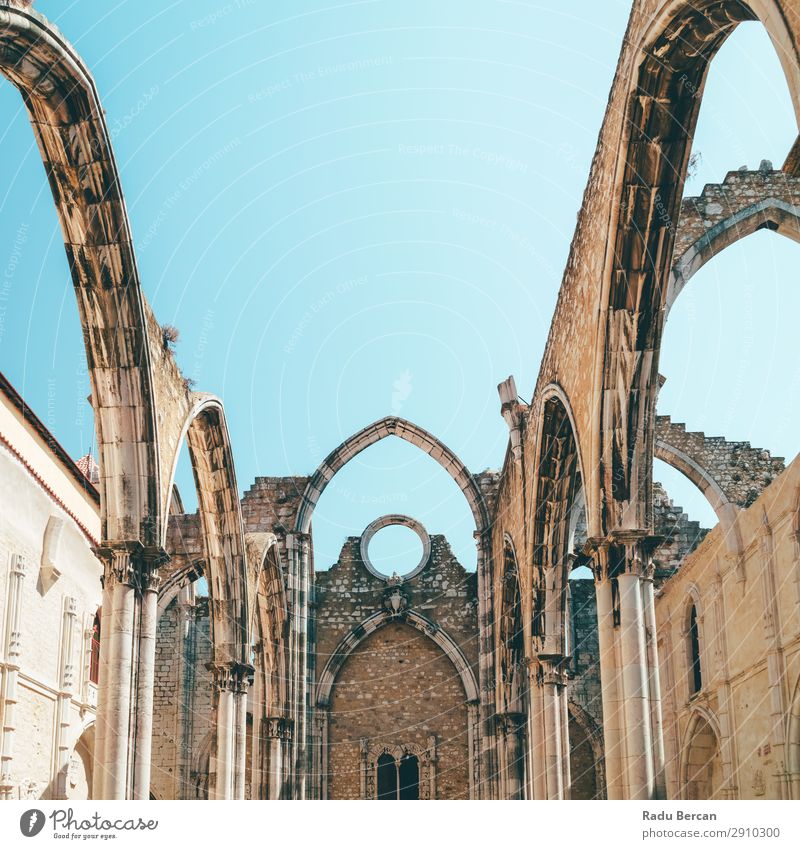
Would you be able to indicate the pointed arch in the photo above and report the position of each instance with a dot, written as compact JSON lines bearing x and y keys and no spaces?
{"x":69,"y":125}
{"x":661,"y":102}
{"x":511,"y":642}
{"x":587,"y":760}
{"x":557,"y":483}
{"x":773,"y":214}
{"x":378,"y":620}
{"x":701,"y":762}
{"x":206,"y":432}
{"x":693,"y":636}
{"x":411,"y":433}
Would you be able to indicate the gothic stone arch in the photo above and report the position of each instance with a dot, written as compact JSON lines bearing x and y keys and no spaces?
{"x":378,"y":620}
{"x":701,"y":764}
{"x":70,"y":128}
{"x":661,"y":108}
{"x":415,"y":435}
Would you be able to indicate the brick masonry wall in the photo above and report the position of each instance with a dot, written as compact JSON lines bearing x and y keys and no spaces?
{"x":397,"y":687}
{"x":183,"y":713}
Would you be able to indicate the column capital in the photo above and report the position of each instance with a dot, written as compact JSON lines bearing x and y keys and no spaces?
{"x":131,"y":563}
{"x":231,"y":677}
{"x":278,"y":727}
{"x":19,"y":564}
{"x":623,"y":551}
{"x":553,"y":671}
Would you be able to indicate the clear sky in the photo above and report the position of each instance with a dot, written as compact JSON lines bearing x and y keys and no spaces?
{"x":357,"y":209}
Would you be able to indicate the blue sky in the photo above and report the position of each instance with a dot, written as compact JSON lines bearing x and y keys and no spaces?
{"x":359,"y":209}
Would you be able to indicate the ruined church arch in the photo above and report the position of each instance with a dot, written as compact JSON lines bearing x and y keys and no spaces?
{"x":773,"y":214}
{"x":411,"y":433}
{"x":70,"y":128}
{"x":206,"y":433}
{"x":662,"y":105}
{"x":556,"y":494}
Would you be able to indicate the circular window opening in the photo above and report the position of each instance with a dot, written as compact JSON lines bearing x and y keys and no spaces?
{"x":395,"y":549}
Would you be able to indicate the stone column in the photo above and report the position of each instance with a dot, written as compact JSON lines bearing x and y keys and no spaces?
{"x":432,"y":759}
{"x":67,"y":682}
{"x":120,"y":578}
{"x":12,"y":650}
{"x":323,"y":719}
{"x":537,"y":757}
{"x":226,"y":732}
{"x":473,"y":733}
{"x":609,"y":687}
{"x":257,"y":709}
{"x":633,"y":724}
{"x":127,"y":666}
{"x":187,"y":639}
{"x":776,"y":664}
{"x":631,"y":563}
{"x":98,"y":771}
{"x":364,"y":766}
{"x":146,"y":672}
{"x":654,"y":683}
{"x":566,"y":770}
{"x":515,"y":755}
{"x":725,"y":713}
{"x":278,"y":734}
{"x":553,"y":681}
{"x":299,"y":590}
{"x":635,"y":688}
{"x":240,"y":718}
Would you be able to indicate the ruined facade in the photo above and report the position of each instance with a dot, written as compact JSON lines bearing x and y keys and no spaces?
{"x":672,"y":672}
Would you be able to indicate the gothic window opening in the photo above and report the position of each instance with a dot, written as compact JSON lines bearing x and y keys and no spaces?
{"x":94,"y":657}
{"x":398,"y":779}
{"x":387,"y":777}
{"x":695,"y":674}
{"x":408,"y":776}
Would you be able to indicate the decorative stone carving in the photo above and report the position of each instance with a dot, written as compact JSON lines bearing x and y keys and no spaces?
{"x":395,"y":600}
{"x":278,"y":728}
{"x":49,"y":572}
{"x":426,"y":758}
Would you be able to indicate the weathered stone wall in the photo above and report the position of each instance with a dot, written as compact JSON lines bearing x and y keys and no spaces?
{"x":183,"y":714}
{"x":740,"y":471}
{"x":37,"y":533}
{"x":748,"y":611}
{"x":397,"y":686}
{"x":681,"y":534}
{"x":584,"y":684}
{"x":733,"y":201}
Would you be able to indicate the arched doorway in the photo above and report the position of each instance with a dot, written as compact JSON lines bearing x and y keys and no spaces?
{"x":587,"y":778}
{"x":80,"y":767}
{"x":702,"y":764}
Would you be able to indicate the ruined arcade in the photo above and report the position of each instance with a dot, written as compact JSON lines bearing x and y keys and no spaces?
{"x":151,"y":652}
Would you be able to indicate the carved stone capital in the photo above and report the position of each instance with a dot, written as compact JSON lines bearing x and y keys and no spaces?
{"x":231,"y":677}
{"x":278,"y":728}
{"x":130,"y":563}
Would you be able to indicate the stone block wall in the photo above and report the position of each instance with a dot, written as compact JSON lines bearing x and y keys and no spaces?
{"x":397,"y":687}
